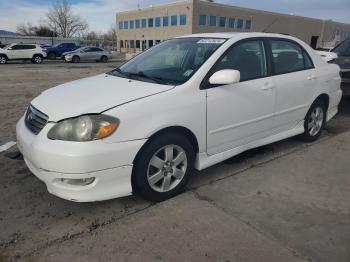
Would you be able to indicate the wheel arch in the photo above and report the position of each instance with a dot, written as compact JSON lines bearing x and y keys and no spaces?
{"x":37,"y":54}
{"x":174,"y":130}
{"x":324,"y":98}
{"x":4,"y":56}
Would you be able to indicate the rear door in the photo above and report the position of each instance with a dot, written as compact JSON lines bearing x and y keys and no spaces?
{"x":240,"y":113}
{"x":296,"y":80}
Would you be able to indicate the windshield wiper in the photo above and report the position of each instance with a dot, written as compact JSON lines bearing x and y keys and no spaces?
{"x":158,"y":80}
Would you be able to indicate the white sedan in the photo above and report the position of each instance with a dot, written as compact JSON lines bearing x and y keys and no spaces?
{"x":189,"y":102}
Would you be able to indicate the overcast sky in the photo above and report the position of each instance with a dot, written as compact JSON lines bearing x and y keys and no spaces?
{"x":100,"y":14}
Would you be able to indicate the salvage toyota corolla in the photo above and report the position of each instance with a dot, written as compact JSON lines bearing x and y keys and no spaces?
{"x":189,"y":102}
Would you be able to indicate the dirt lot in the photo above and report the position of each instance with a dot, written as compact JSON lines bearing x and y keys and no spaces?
{"x":284,"y":202}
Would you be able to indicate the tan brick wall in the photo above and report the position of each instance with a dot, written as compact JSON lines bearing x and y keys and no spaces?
{"x":262,"y":21}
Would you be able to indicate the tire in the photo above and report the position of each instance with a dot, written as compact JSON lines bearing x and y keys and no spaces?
{"x":314,"y":121}
{"x":104,"y":59}
{"x":37,"y":59}
{"x":158,"y":176}
{"x":75,"y":59}
{"x":3,"y":59}
{"x":51,"y":56}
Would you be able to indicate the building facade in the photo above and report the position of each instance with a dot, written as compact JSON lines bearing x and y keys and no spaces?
{"x":144,"y":27}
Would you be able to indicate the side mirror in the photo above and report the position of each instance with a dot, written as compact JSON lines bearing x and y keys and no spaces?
{"x":225,"y":77}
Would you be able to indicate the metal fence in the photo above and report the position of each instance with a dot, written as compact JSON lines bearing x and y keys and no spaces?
{"x":9,"y":39}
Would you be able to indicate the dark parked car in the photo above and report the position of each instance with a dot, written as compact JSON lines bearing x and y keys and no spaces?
{"x":58,"y":50}
{"x":343,"y":60}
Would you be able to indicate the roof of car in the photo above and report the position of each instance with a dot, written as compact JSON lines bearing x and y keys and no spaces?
{"x":228,"y":35}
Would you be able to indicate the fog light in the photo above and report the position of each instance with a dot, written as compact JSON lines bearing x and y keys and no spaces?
{"x":78,"y":182}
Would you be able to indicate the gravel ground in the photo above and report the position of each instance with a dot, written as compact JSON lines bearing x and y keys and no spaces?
{"x":284,"y":202}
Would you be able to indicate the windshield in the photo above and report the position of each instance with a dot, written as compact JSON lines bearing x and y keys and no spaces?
{"x":172,"y":62}
{"x":343,"y":49}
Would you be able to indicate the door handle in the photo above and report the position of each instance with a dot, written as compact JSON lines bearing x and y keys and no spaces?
{"x":311,"y":77}
{"x":268,"y":87}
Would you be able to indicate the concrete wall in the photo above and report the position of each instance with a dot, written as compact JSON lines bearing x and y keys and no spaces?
{"x":6,"y":39}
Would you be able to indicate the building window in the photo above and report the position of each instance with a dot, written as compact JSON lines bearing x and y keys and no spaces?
{"x":138,"y":44}
{"x":132,"y":44}
{"x":240,"y":24}
{"x":174,"y":20}
{"x":150,"y":22}
{"x":126,"y":24}
{"x":248,"y":24}
{"x":231,"y":22}
{"x":212,"y":20}
{"x":183,"y":19}
{"x":144,"y":23}
{"x":222,"y":21}
{"x":165,"y":21}
{"x":120,"y":25}
{"x":157,"y":21}
{"x":202,"y":20}
{"x":137,"y":23}
{"x":150,"y":43}
{"x":121,"y":44}
{"x":131,"y":24}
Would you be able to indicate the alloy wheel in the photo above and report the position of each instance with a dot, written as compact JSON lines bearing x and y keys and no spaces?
{"x":316,"y":121}
{"x":167,"y":168}
{"x":2,"y":60}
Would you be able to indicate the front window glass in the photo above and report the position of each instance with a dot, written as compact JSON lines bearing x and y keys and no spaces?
{"x":343,"y":49}
{"x":172,"y":62}
{"x":247,"y":57}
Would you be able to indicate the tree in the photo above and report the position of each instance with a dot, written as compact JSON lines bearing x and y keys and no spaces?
{"x":30,"y":30}
{"x":62,"y":20}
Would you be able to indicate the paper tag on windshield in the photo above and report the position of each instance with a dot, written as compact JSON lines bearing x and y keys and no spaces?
{"x":211,"y":41}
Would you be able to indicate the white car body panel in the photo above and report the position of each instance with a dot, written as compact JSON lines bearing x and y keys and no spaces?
{"x":225,"y":120}
{"x":111,"y":91}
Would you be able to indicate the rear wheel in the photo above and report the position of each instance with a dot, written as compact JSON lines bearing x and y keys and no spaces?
{"x":314,"y":121}
{"x":104,"y":59}
{"x":163,"y":167}
{"x":3,"y":60}
{"x":76,"y":59}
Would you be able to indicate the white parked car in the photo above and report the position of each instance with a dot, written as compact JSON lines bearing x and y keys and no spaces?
{"x":30,"y":52}
{"x":189,"y":102}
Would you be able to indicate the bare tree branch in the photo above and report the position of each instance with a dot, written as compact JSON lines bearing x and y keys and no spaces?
{"x":63,"y":21}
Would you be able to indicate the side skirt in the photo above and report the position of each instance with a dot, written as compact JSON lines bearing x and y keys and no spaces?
{"x":204,"y":160}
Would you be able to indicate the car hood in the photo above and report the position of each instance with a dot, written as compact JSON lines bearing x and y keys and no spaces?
{"x":93,"y":95}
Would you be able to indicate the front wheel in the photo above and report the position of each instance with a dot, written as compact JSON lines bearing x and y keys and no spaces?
{"x":104,"y":59}
{"x":163,"y":167}
{"x":37,"y":59}
{"x":75,"y":59}
{"x":51,"y":56}
{"x":314,"y":122}
{"x":3,"y":60}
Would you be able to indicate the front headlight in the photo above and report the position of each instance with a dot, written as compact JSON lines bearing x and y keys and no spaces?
{"x":84,"y":128}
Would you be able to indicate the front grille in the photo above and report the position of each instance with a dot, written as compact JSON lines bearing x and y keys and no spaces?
{"x":35,"y":120}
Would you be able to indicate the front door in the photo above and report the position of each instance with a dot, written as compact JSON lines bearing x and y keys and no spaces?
{"x":240,"y":113}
